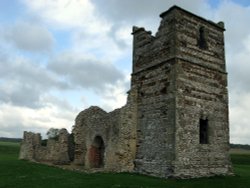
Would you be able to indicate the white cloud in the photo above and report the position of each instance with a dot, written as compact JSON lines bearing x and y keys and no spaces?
{"x":68,"y":14}
{"x":14,"y":120}
{"x":115,"y":96}
{"x":85,"y":72}
{"x":30,"y":37}
{"x":23,"y":82}
{"x":130,"y":10}
{"x":239,"y":67}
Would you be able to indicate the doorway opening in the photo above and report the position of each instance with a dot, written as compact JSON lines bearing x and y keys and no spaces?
{"x":96,"y":153}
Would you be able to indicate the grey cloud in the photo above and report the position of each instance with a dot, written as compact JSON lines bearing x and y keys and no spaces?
{"x":239,"y":77}
{"x":20,"y":95}
{"x":12,"y":124}
{"x":16,"y":129}
{"x":61,"y":104}
{"x":238,"y":67}
{"x":30,"y":37}
{"x":35,"y":74}
{"x":131,"y":10}
{"x":120,"y":42}
{"x":24,"y":83}
{"x":239,"y":117}
{"x":85,"y":73}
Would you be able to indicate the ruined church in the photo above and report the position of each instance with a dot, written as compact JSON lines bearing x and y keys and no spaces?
{"x":175,"y":121}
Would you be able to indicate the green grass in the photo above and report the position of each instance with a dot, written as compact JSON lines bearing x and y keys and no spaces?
{"x":240,"y":159}
{"x":15,"y":173}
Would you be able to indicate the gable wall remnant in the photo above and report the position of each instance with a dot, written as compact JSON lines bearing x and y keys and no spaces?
{"x":117,"y":131}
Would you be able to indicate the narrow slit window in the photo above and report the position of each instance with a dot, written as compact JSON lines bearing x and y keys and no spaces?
{"x":203,"y":131}
{"x":202,"y":42}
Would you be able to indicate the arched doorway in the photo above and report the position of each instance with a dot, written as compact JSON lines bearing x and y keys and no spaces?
{"x":96,"y":153}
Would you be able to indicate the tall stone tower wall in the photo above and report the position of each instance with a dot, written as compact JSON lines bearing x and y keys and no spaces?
{"x":201,"y":95}
{"x":182,"y":97}
{"x":154,"y":79}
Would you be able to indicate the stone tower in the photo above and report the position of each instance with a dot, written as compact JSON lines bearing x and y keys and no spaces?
{"x":182,"y":101}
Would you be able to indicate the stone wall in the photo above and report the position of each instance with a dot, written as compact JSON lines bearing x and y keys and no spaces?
{"x":117,"y":131}
{"x":154,"y":76}
{"x":56,"y":150}
{"x":201,"y":84}
{"x":28,"y":145}
{"x":155,"y":124}
{"x":181,"y":80}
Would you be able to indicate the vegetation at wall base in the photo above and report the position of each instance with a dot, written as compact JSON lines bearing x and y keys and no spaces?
{"x":16,"y":173}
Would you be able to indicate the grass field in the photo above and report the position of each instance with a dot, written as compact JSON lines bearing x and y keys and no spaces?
{"x":15,"y":173}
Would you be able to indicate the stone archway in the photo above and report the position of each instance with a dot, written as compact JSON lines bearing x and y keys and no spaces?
{"x":96,"y":153}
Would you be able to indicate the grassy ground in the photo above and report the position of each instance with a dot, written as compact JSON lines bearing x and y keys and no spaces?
{"x":16,"y":174}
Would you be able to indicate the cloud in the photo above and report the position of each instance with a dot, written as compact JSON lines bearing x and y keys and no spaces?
{"x":29,"y":37}
{"x":23,"y":83}
{"x":239,"y":68}
{"x":115,"y":96}
{"x":239,"y":116}
{"x":67,"y":14}
{"x":85,"y":73}
{"x":27,"y":84}
{"x":90,"y":32}
{"x":15,"y":120}
{"x":130,"y":10}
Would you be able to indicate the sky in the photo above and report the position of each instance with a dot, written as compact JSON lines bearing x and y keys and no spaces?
{"x":59,"y":57}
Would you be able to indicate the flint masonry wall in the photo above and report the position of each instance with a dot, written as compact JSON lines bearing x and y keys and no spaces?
{"x":28,"y":145}
{"x":116,"y":129}
{"x":201,"y":93}
{"x":181,"y":80}
{"x":56,"y":151}
{"x":153,"y":77}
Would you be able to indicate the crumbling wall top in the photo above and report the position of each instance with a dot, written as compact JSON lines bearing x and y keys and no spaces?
{"x":219,"y":25}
